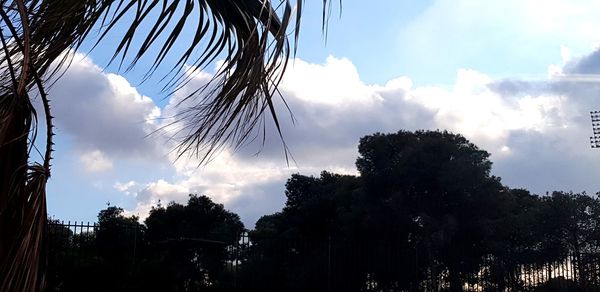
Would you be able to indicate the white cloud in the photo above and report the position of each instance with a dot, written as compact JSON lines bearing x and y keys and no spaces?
{"x":103,"y":111}
{"x":157,"y":192}
{"x":334,"y":108}
{"x":537,"y":131}
{"x":125,"y":187}
{"x":95,"y":161}
{"x":336,"y":83}
{"x":476,"y":111}
{"x":225,"y":179}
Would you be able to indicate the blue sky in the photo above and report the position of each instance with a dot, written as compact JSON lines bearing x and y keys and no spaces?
{"x":506,"y":74}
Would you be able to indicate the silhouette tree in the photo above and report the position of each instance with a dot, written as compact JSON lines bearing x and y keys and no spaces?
{"x":250,"y":35}
{"x":445,"y":182}
{"x":291,"y":250}
{"x":515,"y":238}
{"x":188,"y":246}
{"x":425,"y":214}
{"x":569,"y":223}
{"x":183,"y":248}
{"x":118,"y":239}
{"x":101,"y":258}
{"x":60,"y":245}
{"x":424,"y":199}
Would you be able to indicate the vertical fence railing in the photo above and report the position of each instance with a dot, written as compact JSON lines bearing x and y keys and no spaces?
{"x":326,"y":264}
{"x":83,"y":255}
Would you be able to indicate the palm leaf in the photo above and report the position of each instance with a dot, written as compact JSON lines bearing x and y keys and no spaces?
{"x":251,"y":35}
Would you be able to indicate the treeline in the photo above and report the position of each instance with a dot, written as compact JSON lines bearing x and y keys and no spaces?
{"x":424,"y":214}
{"x":178,"y":248}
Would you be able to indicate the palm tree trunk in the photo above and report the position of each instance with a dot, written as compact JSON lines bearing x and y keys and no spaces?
{"x":19,"y":211}
{"x":13,"y":167}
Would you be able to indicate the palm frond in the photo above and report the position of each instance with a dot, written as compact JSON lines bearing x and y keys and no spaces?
{"x":250,"y":36}
{"x":31,"y":39}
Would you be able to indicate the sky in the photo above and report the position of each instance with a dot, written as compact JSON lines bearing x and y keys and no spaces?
{"x":515,"y":77}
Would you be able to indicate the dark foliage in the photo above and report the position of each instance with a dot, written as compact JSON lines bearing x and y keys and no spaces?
{"x":188,"y":246}
{"x":181,"y":248}
{"x":425,"y":214}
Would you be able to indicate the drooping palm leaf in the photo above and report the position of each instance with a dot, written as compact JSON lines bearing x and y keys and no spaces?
{"x":249,"y":35}
{"x":36,"y":34}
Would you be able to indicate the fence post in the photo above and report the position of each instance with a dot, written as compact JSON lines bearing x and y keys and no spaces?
{"x":135,"y":232}
{"x":415,"y":284}
{"x":329,"y":263}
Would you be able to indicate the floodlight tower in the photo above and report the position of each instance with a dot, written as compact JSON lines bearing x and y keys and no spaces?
{"x":595,"y":140}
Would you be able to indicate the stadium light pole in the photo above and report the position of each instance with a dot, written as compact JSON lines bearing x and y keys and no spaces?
{"x":595,"y":140}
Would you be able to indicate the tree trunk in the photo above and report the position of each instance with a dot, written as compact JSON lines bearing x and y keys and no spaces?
{"x":22,"y":209}
{"x":580,"y":268}
{"x":13,"y":171}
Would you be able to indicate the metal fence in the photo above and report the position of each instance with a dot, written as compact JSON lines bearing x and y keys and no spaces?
{"x":90,"y":257}
{"x":85,"y":257}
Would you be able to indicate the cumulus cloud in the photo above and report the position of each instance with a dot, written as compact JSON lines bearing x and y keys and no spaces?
{"x":536,"y":130}
{"x":558,"y":156}
{"x":103,"y":111}
{"x":327,"y":132}
{"x":587,"y":65}
{"x":226,"y":180}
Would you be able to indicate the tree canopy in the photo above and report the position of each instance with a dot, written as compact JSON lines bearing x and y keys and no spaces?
{"x":425,"y":214}
{"x":424,"y":207}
